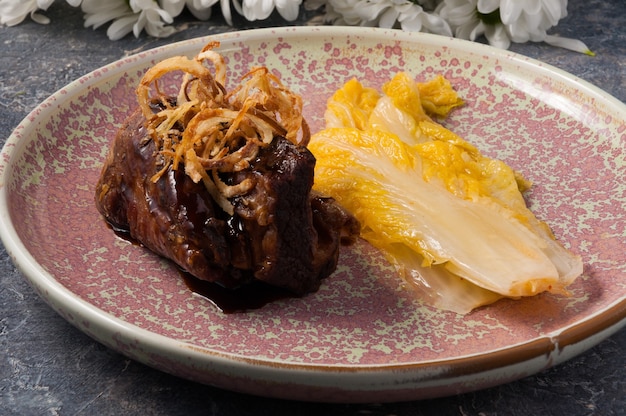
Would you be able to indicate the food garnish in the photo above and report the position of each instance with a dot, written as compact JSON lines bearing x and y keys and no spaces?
{"x":190,"y":129}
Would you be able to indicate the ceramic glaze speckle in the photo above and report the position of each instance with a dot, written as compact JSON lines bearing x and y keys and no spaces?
{"x":565,"y":136}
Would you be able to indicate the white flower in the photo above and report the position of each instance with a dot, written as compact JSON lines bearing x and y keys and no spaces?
{"x":468,"y":23}
{"x":152,"y":18}
{"x":262,"y":9}
{"x":530,"y":19}
{"x":500,"y":21}
{"x":13,"y":12}
{"x":201,"y":9}
{"x":128,"y":16}
{"x":506,"y":21}
{"x":338,"y":12}
{"x":99,"y":12}
{"x":405,"y":14}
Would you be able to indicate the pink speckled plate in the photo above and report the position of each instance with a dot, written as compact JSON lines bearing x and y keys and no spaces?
{"x":360,"y":338}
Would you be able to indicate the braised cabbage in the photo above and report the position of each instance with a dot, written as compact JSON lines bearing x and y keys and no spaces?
{"x":452,"y":221}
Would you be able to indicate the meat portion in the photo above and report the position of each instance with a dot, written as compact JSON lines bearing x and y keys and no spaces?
{"x":280,"y":233}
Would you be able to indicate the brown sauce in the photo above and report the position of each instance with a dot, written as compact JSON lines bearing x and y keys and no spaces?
{"x":252,"y":296}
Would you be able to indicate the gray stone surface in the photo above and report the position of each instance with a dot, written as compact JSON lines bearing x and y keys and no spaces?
{"x":47,"y":367}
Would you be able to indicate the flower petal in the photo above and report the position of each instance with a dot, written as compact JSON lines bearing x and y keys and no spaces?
{"x":568,"y":43}
{"x":497,"y":36}
{"x":39,"y":18}
{"x":201,"y":9}
{"x":13,"y":13}
{"x":173,"y":7}
{"x":388,"y":18}
{"x":487,"y":6}
{"x":121,"y":27}
{"x":225,"y":6}
{"x":288,"y":9}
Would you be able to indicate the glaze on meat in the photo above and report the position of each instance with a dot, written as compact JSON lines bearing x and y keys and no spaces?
{"x":280,"y":233}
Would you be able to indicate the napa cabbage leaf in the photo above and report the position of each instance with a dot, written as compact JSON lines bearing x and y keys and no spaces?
{"x":453,"y":221}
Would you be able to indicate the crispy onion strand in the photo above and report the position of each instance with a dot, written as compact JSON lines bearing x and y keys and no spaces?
{"x":211,"y":131}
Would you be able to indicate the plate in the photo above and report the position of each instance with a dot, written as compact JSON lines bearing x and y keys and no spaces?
{"x":360,"y":338}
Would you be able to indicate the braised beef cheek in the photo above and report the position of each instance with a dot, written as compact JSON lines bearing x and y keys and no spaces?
{"x":281,"y":233}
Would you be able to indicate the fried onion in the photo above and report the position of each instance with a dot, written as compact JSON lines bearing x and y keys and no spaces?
{"x":211,"y":131}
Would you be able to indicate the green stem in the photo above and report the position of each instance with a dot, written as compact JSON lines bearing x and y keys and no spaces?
{"x":492,"y":18}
